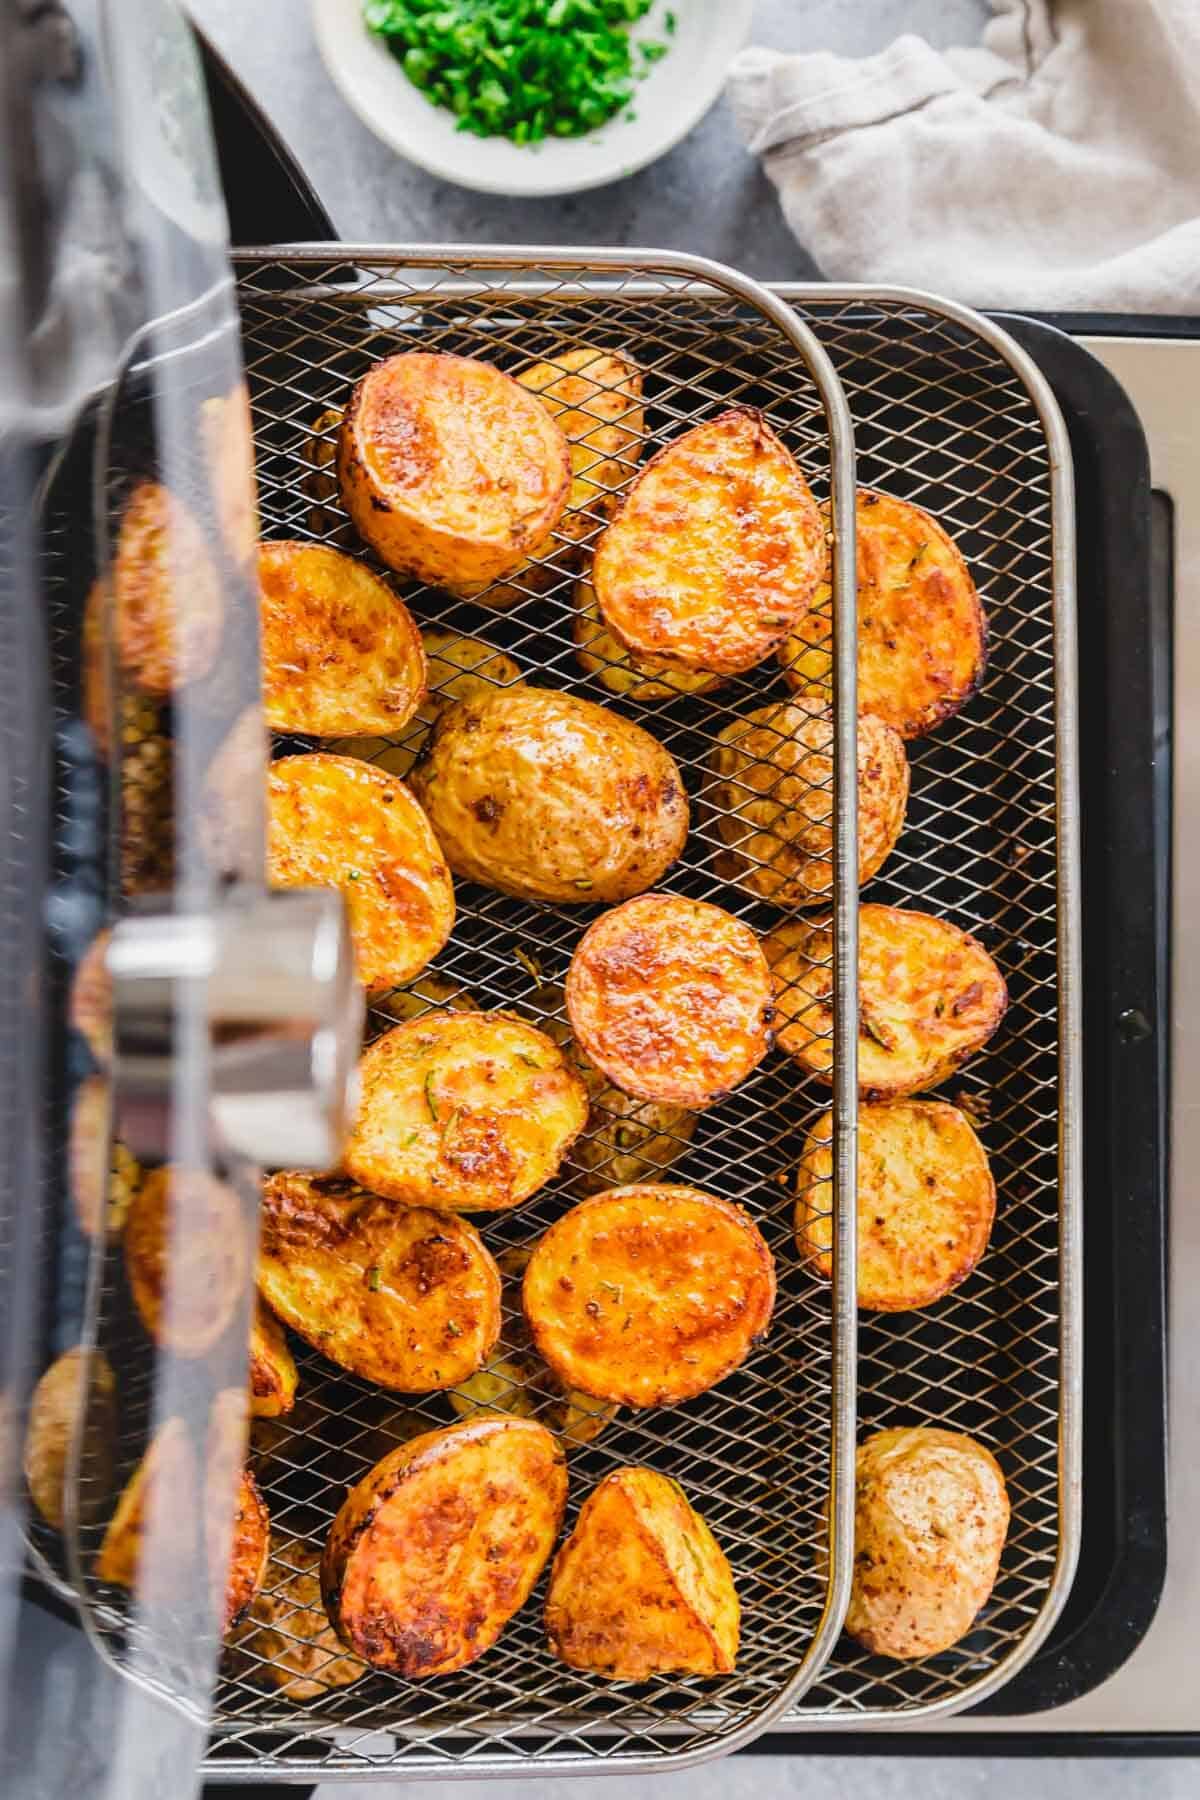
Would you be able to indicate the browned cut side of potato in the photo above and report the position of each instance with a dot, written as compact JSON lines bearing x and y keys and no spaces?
{"x":54,"y":1412}
{"x":161,"y":1490}
{"x":926,"y":1202}
{"x":235,"y":1551}
{"x":436,"y":1549}
{"x":463,"y":1110}
{"x":336,"y":822}
{"x":174,"y":1208}
{"x":716,"y":552}
{"x":550,"y":797}
{"x":286,"y":1639}
{"x":671,"y":999}
{"x":922,"y":634}
{"x":341,"y":652}
{"x":273,"y":1376}
{"x":929,"y":997}
{"x":91,"y":998}
{"x":931,"y":1517}
{"x":451,"y":471}
{"x":642,"y":679}
{"x":169,"y":606}
{"x":249,"y":1549}
{"x":641,"y":1587}
{"x":404,"y":1296}
{"x":649,"y":1295}
{"x":773,"y":791}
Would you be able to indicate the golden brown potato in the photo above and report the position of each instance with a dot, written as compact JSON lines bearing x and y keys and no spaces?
{"x":171,"y":1208}
{"x":249,"y":1549}
{"x":326,"y":518}
{"x":167,"y":1477}
{"x":104,"y":1172}
{"x":404,"y":1296}
{"x":336,"y":822}
{"x":58,"y":1399}
{"x":926,"y":1201}
{"x":169,"y":602}
{"x":341,"y":652}
{"x":273,"y":1374}
{"x":286,"y":1639}
{"x":648,"y":1295}
{"x":626,"y":1139}
{"x":716,"y":552}
{"x":931,"y":1517}
{"x":463,"y":1110}
{"x":642,"y":679}
{"x":929,"y":997}
{"x":641,"y":1587}
{"x":91,"y":998}
{"x":227,"y":434}
{"x":518,"y":1383}
{"x":457,"y":668}
{"x":232,"y":821}
{"x":451,"y":471}
{"x":774,"y":794}
{"x":671,"y":999}
{"x":436,"y":1549}
{"x":922,"y":635}
{"x":550,"y":797}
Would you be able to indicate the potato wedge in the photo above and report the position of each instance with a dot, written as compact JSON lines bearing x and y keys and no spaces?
{"x":773,"y":794}
{"x":450,"y":470}
{"x":227,"y":436}
{"x":341,"y":652}
{"x":671,"y":999}
{"x":641,"y":1587}
{"x":930,"y":996}
{"x":169,"y":605}
{"x":436,"y":1549}
{"x":287,"y":1641}
{"x":471,"y":1111}
{"x":715,"y":554}
{"x":550,"y":797}
{"x":926,"y":1202}
{"x":236,"y":1554}
{"x":273,"y":1376}
{"x":643,"y":679}
{"x":922,"y":633}
{"x":404,"y":1296}
{"x":336,"y":822}
{"x":649,"y":1295}
{"x":164,"y":1484}
{"x":91,"y":999}
{"x":104,"y":1172}
{"x":173,"y":1207}
{"x":58,"y":1399}
{"x":931,"y":1517}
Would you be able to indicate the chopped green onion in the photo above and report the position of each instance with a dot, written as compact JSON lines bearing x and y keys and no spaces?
{"x":430,"y":1102}
{"x":373,"y":1278}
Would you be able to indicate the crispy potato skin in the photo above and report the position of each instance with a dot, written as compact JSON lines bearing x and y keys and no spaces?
{"x":341,"y":652}
{"x":470,"y":1111}
{"x":91,"y":999}
{"x":922,"y":633}
{"x":926,"y":1202}
{"x":436,"y":1549}
{"x":249,"y":1549}
{"x":195,"y":1209}
{"x":273,"y":1375}
{"x":169,"y":1468}
{"x":286,"y":1633}
{"x":550,"y":797}
{"x":648,"y":1295}
{"x":403,"y":1296}
{"x":58,"y":1400}
{"x":642,"y":679}
{"x":931,"y":1517}
{"x":716,"y":553}
{"x":641,"y":1587}
{"x":773,"y":790}
{"x":930,"y":996}
{"x":336,"y":822}
{"x":451,"y":471}
{"x":671,"y":999}
{"x":170,"y":607}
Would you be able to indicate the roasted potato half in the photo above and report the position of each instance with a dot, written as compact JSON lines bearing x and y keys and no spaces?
{"x":341,"y":652}
{"x":249,"y":1549}
{"x":922,"y":635}
{"x":550,"y":797}
{"x":404,"y":1296}
{"x":286,"y":1639}
{"x":641,"y":1587}
{"x":104,"y":1172}
{"x":926,"y":1202}
{"x":642,"y":679}
{"x":336,"y":822}
{"x":273,"y":1376}
{"x":169,"y":604}
{"x":227,"y":436}
{"x":471,"y":1111}
{"x":450,"y":470}
{"x":715,"y":554}
{"x":174,"y":1207}
{"x":456,"y":668}
{"x":58,"y":1400}
{"x":90,"y":1008}
{"x":167,"y":1480}
{"x":773,"y":796}
{"x":671,"y":999}
{"x":929,"y":997}
{"x":436,"y":1549}
{"x":931,"y":1516}
{"x":648,"y":1295}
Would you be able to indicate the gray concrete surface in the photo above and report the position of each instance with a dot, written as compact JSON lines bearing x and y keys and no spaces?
{"x":707,"y":197}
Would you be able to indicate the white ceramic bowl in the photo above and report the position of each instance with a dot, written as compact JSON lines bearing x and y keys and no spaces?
{"x":674,"y":96}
